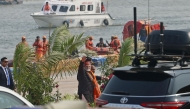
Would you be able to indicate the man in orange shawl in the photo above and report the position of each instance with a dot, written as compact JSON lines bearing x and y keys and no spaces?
{"x":88,"y":86}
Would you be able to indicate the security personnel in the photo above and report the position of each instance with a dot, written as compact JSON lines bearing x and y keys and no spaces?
{"x":89,"y":43}
{"x":45,"y":45}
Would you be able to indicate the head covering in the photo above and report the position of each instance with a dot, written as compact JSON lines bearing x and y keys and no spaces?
{"x":115,"y":37}
{"x":112,"y":36}
{"x":91,"y":37}
{"x":38,"y":37}
{"x":101,"y":39}
{"x":44,"y":37}
{"x":87,"y":62}
{"x":23,"y":37}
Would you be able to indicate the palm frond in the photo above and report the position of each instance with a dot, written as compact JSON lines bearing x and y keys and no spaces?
{"x":124,"y":51}
{"x":57,"y":36}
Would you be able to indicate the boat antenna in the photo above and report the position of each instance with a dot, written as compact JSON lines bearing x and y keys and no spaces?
{"x":148,"y":45}
{"x":135,"y":30}
{"x":161,"y":39}
{"x":49,"y":38}
{"x":107,"y":6}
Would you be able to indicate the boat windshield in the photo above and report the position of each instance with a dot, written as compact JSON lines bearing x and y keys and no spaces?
{"x":63,"y":9}
{"x":54,"y":7}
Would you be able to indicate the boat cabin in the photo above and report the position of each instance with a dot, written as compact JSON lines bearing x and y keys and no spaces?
{"x":74,"y":6}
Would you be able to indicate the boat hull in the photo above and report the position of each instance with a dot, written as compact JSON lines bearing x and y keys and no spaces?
{"x":88,"y":20}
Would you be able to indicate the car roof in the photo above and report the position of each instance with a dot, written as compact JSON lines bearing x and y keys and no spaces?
{"x":164,"y":67}
{"x":4,"y":89}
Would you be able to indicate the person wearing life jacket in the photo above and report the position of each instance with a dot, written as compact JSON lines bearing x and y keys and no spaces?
{"x":47,"y":8}
{"x":45,"y":45}
{"x":112,"y":44}
{"x":38,"y":44}
{"x":102,"y":7}
{"x":89,"y":43}
{"x":117,"y":42}
{"x":23,"y":42}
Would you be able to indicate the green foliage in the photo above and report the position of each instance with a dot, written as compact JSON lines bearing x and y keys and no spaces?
{"x":93,"y":105}
{"x":70,"y":97}
{"x":62,"y":41}
{"x":124,"y":51}
{"x":35,"y":79}
{"x":31,"y":76}
{"x":88,"y":53}
{"x":106,"y":69}
{"x":58,"y":36}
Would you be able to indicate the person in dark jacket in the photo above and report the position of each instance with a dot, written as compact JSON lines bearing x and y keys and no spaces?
{"x":6,"y":79}
{"x":85,"y":86}
{"x":101,"y":43}
{"x":143,"y":33}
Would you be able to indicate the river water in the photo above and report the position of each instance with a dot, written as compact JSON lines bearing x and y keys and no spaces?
{"x":15,"y":20}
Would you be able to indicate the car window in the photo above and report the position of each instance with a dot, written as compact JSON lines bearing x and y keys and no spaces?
{"x":184,"y":89}
{"x":139,"y":84}
{"x":7,"y":100}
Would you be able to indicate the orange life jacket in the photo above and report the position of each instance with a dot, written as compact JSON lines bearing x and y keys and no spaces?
{"x":39,"y":45}
{"x":112,"y":45}
{"x":89,"y":45}
{"x":47,"y":8}
{"x":45,"y":45}
{"x":118,"y":43}
{"x":102,"y":8}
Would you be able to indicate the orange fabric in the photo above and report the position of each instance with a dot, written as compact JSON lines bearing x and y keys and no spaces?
{"x":112,"y":45}
{"x":47,"y":8}
{"x":45,"y":47}
{"x":89,"y":44}
{"x":103,"y":8}
{"x":148,"y":28}
{"x":39,"y":49}
{"x":97,"y":91}
{"x":39,"y":54}
{"x":118,"y":43}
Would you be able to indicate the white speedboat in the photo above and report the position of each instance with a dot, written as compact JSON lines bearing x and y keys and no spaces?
{"x":73,"y":13}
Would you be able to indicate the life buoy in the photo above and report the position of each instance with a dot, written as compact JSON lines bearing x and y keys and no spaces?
{"x":81,"y":23}
{"x":66,"y":23}
{"x":106,"y":22}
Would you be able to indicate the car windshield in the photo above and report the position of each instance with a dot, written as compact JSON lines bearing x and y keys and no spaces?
{"x":138,"y":84}
{"x":8,"y":100}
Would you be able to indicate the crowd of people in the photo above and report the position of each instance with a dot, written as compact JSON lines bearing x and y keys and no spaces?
{"x":87,"y":80}
{"x":115,"y":43}
{"x":41,"y":46}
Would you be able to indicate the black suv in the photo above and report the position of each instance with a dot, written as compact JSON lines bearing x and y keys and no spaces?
{"x":162,"y":83}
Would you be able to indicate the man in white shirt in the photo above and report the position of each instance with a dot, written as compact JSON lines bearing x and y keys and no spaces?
{"x":6,"y":79}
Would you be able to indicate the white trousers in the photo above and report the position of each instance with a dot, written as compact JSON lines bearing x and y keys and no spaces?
{"x":46,"y":12}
